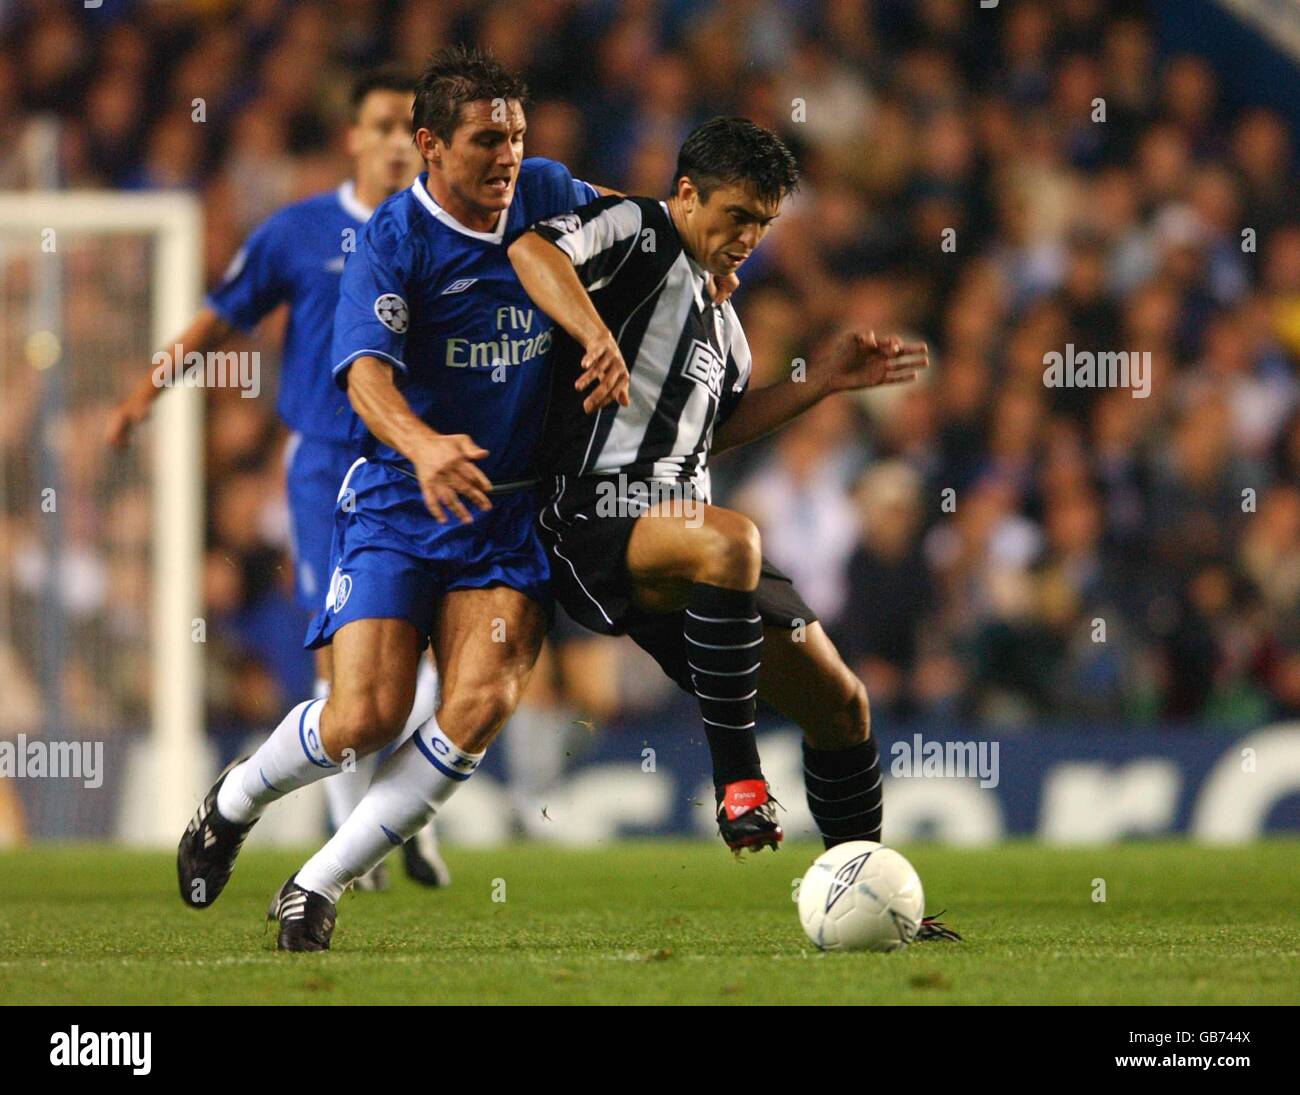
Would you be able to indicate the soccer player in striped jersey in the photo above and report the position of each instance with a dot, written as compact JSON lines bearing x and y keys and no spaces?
{"x":636,"y":546}
{"x":295,"y":258}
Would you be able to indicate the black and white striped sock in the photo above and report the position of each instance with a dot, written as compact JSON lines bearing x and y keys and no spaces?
{"x":724,"y":648}
{"x":844,"y":791}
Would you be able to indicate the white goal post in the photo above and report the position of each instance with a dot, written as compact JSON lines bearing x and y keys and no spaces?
{"x":173,"y":221}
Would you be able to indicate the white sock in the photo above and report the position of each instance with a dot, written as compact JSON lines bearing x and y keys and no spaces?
{"x":290,"y":758}
{"x":407,"y":791}
{"x":426,"y":699}
{"x":536,"y":740}
{"x":345,"y":790}
{"x":342,"y":794}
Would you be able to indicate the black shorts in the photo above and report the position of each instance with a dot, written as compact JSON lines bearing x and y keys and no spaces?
{"x":564,"y":629}
{"x":589,"y":577}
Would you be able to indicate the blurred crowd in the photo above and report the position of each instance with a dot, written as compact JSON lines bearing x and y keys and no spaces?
{"x":1003,"y":183}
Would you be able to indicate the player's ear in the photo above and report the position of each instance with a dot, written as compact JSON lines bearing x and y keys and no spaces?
{"x":686,"y":193}
{"x":430,"y":146}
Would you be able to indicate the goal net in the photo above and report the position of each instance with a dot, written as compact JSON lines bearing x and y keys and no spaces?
{"x":100,"y":667}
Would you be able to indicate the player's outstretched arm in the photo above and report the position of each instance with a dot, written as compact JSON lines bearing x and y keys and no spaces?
{"x":207,"y":332}
{"x":857,"y":361}
{"x":444,"y":463}
{"x":253,"y":285}
{"x":549,"y":278}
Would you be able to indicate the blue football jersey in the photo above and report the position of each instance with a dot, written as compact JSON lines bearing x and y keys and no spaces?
{"x":296,"y":256}
{"x":441,"y":303}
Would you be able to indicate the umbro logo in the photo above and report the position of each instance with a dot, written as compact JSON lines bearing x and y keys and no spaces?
{"x":906,"y":927}
{"x":844,"y":879}
{"x":458,"y":286}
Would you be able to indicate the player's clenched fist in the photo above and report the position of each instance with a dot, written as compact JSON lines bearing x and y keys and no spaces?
{"x":603,"y":366}
{"x":445,"y":468}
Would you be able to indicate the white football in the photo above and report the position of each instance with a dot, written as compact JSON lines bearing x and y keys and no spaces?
{"x":861,"y":896}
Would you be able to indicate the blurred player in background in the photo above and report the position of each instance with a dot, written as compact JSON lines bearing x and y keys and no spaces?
{"x":572,"y":694}
{"x":296,"y":257}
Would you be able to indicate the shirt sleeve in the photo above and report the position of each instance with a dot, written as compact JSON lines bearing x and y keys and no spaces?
{"x":373,"y":311}
{"x":560,"y":191}
{"x":253,"y":283}
{"x":597,"y":237}
{"x":583,"y":192}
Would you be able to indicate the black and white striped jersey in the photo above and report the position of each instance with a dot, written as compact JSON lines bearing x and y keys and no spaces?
{"x":688,"y":358}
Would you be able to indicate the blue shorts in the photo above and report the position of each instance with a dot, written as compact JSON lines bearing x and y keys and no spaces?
{"x":392,"y":560}
{"x":313,"y":471}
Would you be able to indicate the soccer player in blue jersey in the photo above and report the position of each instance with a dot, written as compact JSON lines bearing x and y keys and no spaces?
{"x":296,"y":258}
{"x":444,"y":358}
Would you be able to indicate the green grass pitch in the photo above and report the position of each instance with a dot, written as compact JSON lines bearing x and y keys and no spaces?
{"x":654,"y":922}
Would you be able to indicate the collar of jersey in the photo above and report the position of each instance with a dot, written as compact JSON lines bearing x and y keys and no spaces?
{"x":351,"y":205}
{"x":436,"y":211}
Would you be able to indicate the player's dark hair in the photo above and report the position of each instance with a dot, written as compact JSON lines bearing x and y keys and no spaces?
{"x":735,"y":150}
{"x":386,"y":78}
{"x":455,"y":76}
